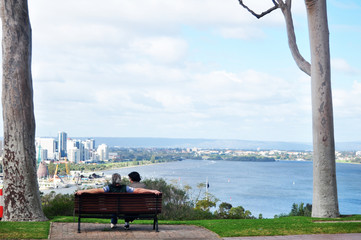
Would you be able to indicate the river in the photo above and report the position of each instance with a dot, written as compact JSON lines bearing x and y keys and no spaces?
{"x":268,"y":188}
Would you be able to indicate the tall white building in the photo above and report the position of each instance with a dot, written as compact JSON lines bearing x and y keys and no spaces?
{"x":89,"y":144}
{"x":73,"y":155}
{"x":103,"y":152}
{"x":76,"y":144}
{"x":48,"y":144}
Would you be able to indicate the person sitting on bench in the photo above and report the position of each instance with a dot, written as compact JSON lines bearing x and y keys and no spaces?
{"x":116,"y":186}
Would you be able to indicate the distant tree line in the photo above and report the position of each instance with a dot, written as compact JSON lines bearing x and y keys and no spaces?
{"x":248,"y":158}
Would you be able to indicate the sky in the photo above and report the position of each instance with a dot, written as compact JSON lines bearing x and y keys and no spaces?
{"x":186,"y":69}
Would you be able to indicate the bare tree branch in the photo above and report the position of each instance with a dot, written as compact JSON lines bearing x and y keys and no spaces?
{"x":263,"y":13}
{"x":285,"y":7}
{"x":300,"y":61}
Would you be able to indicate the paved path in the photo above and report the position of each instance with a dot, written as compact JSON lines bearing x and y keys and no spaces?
{"x":143,"y":232}
{"x":167,"y":232}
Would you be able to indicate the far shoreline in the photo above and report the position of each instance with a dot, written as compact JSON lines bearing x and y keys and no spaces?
{"x":116,"y":168}
{"x":149,"y":164}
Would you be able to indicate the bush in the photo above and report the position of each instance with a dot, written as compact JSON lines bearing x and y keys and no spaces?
{"x":225,"y":210}
{"x":301,"y":210}
{"x":176,"y":203}
{"x":57,"y":204}
{"x":298,"y":210}
{"x":240,"y":213}
{"x":209,"y":201}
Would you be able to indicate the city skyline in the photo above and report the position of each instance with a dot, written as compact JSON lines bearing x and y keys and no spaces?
{"x":74,"y":150}
{"x":186,"y":70}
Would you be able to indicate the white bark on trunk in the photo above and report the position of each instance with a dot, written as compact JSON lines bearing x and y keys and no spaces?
{"x":325,"y":201}
{"x":21,"y":193}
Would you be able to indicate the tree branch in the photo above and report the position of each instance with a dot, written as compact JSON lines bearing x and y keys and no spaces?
{"x":286,"y":10}
{"x":300,"y":61}
{"x":263,"y":13}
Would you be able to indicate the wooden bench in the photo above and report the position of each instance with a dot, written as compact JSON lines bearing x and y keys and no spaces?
{"x":107,"y":205}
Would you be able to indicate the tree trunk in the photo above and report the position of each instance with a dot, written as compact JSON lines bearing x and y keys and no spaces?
{"x":325,"y":202}
{"x":21,"y":193}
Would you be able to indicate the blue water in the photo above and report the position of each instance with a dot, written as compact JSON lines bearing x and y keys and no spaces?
{"x":268,"y":188}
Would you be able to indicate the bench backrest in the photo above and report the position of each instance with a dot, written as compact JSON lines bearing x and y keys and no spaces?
{"x":125,"y":203}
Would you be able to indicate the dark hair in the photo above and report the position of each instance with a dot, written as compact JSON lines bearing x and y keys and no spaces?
{"x":134,"y":176}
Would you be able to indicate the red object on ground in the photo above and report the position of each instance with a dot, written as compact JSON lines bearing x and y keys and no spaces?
{"x":1,"y":207}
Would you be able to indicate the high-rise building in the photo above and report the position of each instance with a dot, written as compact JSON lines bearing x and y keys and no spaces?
{"x":89,"y":150}
{"x":62,"y":139}
{"x":43,"y":155}
{"x":103,"y":152}
{"x":76,"y":144}
{"x":48,"y":144}
{"x":89,"y":144}
{"x":74,"y":155}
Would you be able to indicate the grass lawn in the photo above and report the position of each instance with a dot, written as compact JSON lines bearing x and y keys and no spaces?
{"x":279,"y":226}
{"x":24,"y":230}
{"x":224,"y":227}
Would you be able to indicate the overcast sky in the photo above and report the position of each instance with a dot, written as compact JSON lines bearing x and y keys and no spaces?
{"x":186,"y":69}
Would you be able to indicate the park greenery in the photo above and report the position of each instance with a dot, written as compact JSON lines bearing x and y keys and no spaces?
{"x":178,"y":204}
{"x":179,"y":207}
{"x":222,"y":227}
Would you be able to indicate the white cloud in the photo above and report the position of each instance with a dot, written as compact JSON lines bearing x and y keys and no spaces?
{"x":347,"y":103}
{"x":131,"y":68}
{"x":342,"y":65}
{"x":162,"y":49}
{"x":85,"y":21}
{"x":241,"y":32}
{"x":172,"y":101}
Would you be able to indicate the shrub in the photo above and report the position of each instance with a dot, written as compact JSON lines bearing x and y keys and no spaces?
{"x":176,"y":203}
{"x":206,"y":203}
{"x":223,"y":210}
{"x":301,"y":210}
{"x":298,"y":210}
{"x":240,"y":213}
{"x":57,"y":204}
{"x":226,"y":210}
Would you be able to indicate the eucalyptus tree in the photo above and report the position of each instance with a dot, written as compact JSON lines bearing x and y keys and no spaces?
{"x":21,"y":191}
{"x":325,"y":200}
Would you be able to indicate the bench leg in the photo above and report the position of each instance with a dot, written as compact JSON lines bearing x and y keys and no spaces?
{"x":79,"y":224}
{"x":155,"y":224}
